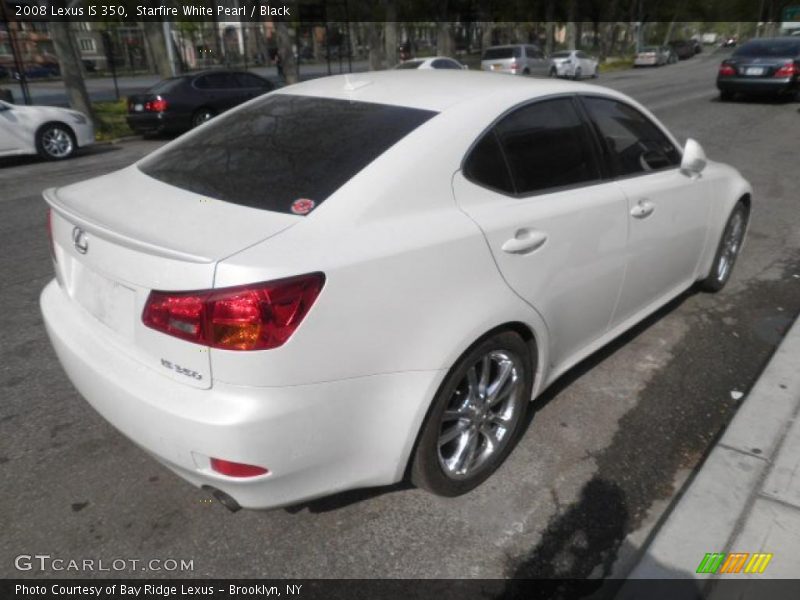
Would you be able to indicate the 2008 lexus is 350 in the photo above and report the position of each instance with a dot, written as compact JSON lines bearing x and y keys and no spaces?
{"x":364,"y":278}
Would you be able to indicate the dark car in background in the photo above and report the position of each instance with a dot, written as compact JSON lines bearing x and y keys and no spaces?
{"x":683,"y":48}
{"x":762,"y":66}
{"x":180,"y":103}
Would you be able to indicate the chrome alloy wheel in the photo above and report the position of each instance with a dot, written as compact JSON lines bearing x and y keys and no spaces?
{"x":481,"y":414}
{"x":57,"y":142}
{"x":731,"y":244}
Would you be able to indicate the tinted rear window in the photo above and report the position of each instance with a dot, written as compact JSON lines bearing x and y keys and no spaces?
{"x":772,"y":48}
{"x":282,"y":149}
{"x":166,"y":86}
{"x":502,"y":53}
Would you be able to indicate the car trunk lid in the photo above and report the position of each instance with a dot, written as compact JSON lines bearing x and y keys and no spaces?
{"x":117,"y":237}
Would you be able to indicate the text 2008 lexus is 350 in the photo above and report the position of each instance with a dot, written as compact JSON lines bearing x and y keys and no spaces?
{"x":361,"y":278}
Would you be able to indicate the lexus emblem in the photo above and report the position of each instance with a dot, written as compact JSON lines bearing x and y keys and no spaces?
{"x":80,"y":241}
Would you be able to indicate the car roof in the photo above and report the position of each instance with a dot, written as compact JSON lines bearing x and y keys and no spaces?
{"x":436,"y":90}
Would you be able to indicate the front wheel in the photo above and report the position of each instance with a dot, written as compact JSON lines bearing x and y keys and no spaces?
{"x":728,"y":250}
{"x":476,"y":417}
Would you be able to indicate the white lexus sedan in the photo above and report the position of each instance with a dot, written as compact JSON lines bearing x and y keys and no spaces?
{"x":51,"y":132}
{"x":575,"y":64}
{"x":361,"y":278}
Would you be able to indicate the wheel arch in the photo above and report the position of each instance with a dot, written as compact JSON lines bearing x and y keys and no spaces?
{"x":66,"y":126}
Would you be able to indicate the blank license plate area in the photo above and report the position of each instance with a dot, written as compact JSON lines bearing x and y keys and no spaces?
{"x":754,"y":71}
{"x":138,"y":107}
{"x":111,"y":303}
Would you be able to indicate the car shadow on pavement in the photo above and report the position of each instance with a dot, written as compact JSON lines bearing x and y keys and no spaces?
{"x":342,"y":499}
{"x":32,"y":159}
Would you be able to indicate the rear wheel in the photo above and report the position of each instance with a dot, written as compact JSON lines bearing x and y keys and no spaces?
{"x":55,"y":141}
{"x":596,"y":73}
{"x":201,"y":116}
{"x":578,"y":74}
{"x":476,"y":417}
{"x":728,"y":250}
{"x":553,"y":72}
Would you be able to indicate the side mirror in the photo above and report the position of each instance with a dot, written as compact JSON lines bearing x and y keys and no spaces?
{"x":694,"y":159}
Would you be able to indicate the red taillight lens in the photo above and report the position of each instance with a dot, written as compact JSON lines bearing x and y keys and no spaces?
{"x":50,"y":233}
{"x":251,"y":317}
{"x":787,"y":70}
{"x":157,"y":105}
{"x":726,"y":70}
{"x":233,"y":469}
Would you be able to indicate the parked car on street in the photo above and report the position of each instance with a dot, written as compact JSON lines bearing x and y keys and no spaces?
{"x":516,"y":59}
{"x":52,"y":133}
{"x":180,"y":103}
{"x":574,"y":64}
{"x":684,"y":49}
{"x":761,"y":66}
{"x":651,"y":56}
{"x":38,"y":72}
{"x":369,"y":275}
{"x":433,"y":62}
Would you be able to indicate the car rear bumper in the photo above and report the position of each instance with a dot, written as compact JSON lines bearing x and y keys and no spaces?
{"x":158,"y":122}
{"x":84,"y":135}
{"x":757,"y":85}
{"x":315,"y":439}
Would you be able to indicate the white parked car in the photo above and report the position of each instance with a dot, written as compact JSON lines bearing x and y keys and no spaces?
{"x":363,"y":276}
{"x":432,"y":62}
{"x":574,"y":64}
{"x":53,"y":133}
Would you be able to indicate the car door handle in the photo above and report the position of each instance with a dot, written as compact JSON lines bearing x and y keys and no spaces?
{"x":643,"y":209}
{"x":525,"y":241}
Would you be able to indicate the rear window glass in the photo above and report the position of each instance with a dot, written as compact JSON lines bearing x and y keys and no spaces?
{"x":166,"y":86}
{"x":282,"y":149}
{"x":772,"y":48}
{"x":561,"y":54}
{"x":502,"y":53}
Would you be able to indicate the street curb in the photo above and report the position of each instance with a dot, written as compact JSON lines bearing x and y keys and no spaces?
{"x":713,"y":509}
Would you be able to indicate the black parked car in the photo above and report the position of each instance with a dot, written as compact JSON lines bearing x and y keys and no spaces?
{"x":684,"y":49}
{"x":180,"y":103}
{"x":762,"y":66}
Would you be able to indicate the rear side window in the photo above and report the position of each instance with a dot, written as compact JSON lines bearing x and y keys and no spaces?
{"x":216,"y":81}
{"x":282,"y":149}
{"x":486,"y":166}
{"x":443,"y":63}
{"x":248,"y":80}
{"x":633,"y":142}
{"x":547,"y":145}
{"x":502,"y":53}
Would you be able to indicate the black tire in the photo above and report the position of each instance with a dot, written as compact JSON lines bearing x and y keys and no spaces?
{"x":527,"y":71}
{"x":473,"y":414}
{"x":553,"y":73}
{"x":578,"y":74}
{"x":55,"y":141}
{"x":201,"y":115}
{"x":725,"y":96}
{"x":596,"y":73}
{"x":728,"y":249}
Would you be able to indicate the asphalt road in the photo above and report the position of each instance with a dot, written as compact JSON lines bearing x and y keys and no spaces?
{"x":603,"y":455}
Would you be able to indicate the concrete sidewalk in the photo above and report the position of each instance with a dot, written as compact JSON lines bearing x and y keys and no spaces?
{"x":746,"y":496}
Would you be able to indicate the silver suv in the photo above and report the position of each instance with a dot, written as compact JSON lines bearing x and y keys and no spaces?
{"x":516,"y":59}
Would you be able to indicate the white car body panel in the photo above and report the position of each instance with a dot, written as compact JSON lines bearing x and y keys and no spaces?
{"x":568,"y":66}
{"x":19,"y":124}
{"x":413,"y":278}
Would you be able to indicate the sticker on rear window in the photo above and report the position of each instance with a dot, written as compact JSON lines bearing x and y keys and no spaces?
{"x":302,"y":206}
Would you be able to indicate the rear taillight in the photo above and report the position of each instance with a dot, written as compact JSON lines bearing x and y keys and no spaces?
{"x":726,"y":70}
{"x":234,"y":469}
{"x":787,"y":70}
{"x":157,"y":105}
{"x":50,"y":233}
{"x":249,"y":317}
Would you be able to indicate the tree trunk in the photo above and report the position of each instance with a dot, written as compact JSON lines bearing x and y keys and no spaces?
{"x":71,"y":70}
{"x":571,"y":41}
{"x":286,"y":52}
{"x":390,"y":34}
{"x":154,"y":33}
{"x":445,"y":44}
{"x":374,"y":45}
{"x":549,"y":15}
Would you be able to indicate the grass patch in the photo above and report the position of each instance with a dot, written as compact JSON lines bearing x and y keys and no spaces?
{"x":616,"y":64}
{"x":111,"y":116}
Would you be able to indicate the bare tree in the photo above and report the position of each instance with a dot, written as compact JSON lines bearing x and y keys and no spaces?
{"x":390,"y":33}
{"x":374,"y":45}
{"x":154,"y":33}
{"x":71,"y":69}
{"x":286,"y":52}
